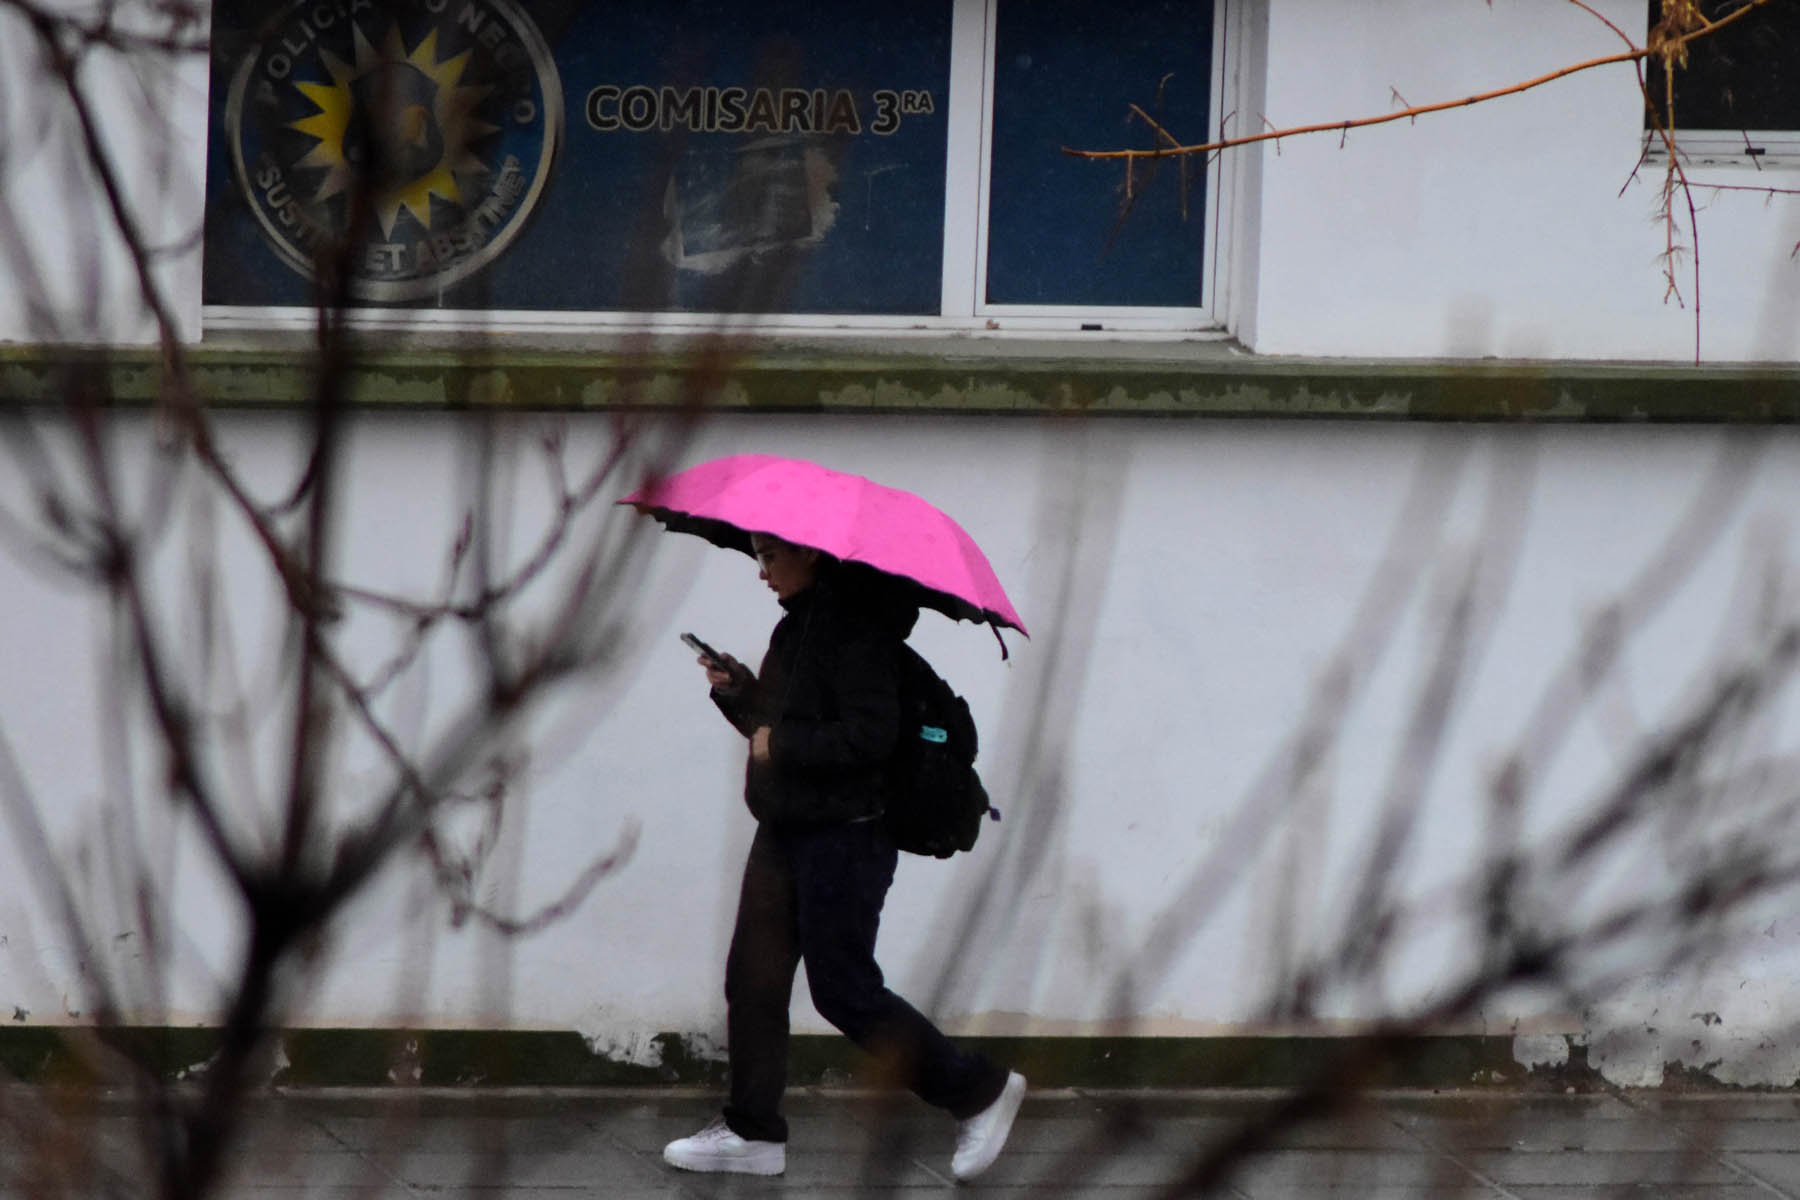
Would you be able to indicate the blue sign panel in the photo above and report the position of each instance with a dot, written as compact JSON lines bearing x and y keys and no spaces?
{"x":691,"y":155}
{"x":1064,"y":230}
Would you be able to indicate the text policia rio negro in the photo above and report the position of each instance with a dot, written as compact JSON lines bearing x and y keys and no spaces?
{"x":642,"y":109}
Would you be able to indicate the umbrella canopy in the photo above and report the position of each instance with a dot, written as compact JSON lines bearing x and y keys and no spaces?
{"x":847,"y":516}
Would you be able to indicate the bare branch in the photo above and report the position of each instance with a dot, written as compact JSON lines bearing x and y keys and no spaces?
{"x":1661,"y":49}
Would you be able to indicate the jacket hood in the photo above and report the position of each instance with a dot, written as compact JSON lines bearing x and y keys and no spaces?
{"x":884,"y":601}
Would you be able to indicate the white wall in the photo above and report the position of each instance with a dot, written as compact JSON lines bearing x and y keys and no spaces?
{"x":1190,"y":586}
{"x":1515,"y":228}
{"x":67,"y":274}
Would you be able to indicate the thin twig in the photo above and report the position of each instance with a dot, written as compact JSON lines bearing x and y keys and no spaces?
{"x":1344,"y":126}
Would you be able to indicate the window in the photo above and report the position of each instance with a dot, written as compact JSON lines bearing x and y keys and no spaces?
{"x":801,"y":164}
{"x":1736,"y":100}
{"x":1061,"y":232}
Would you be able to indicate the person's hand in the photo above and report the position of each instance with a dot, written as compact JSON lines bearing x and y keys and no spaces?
{"x":759,"y":745}
{"x":722,"y":672}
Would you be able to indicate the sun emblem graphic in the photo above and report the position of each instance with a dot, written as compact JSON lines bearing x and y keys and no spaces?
{"x":403,"y":144}
{"x":401,"y":120}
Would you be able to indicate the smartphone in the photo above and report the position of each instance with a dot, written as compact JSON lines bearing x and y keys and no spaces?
{"x":701,"y":648}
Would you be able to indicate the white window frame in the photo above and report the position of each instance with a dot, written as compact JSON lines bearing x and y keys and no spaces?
{"x":1750,"y":150}
{"x":962,"y":310}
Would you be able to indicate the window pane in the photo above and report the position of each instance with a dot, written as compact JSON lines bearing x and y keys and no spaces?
{"x":1740,"y":78}
{"x":1059,"y":228}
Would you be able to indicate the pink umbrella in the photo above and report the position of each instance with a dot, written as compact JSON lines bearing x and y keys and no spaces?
{"x":847,"y":516}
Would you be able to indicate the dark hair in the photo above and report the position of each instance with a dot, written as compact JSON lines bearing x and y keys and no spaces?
{"x":826,"y":558}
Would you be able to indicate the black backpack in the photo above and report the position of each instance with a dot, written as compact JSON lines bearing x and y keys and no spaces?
{"x":935,"y":800}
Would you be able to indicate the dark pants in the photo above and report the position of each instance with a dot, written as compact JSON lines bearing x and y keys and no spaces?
{"x":816,"y":895}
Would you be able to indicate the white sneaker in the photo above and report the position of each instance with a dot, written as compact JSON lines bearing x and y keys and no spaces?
{"x":716,"y":1148}
{"x":980,"y":1139}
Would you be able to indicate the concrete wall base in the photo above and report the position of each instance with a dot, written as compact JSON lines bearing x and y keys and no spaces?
{"x":534,"y":1058}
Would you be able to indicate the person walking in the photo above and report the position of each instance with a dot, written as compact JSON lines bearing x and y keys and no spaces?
{"x":822,"y":717}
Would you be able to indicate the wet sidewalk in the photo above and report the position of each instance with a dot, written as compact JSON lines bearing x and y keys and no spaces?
{"x":558,"y":1145}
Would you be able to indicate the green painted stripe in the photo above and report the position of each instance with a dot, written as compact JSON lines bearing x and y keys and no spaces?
{"x":491,"y":1058}
{"x":1191,"y":380}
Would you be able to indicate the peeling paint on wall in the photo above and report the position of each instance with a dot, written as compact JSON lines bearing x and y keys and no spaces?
{"x":610,"y":1036}
{"x":633,"y":1049}
{"x":1729,"y":1032}
{"x":1535,"y":1051}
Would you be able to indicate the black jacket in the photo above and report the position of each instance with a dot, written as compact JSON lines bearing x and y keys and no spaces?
{"x":829,"y":692}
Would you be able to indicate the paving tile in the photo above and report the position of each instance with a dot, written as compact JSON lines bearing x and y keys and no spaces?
{"x":934,"y":1134}
{"x":933,"y":1137}
{"x":1448,"y":1190}
{"x":474,"y":1133}
{"x":1719,"y":1107}
{"x":598,"y":1192}
{"x":1090,"y":1171}
{"x":1035,"y":1134}
{"x":1726,"y":1137}
{"x":743,"y":1187}
{"x":1373,"y":1131}
{"x":1645,"y":1191}
{"x":336,"y":1169}
{"x":647,"y":1135}
{"x":1280,"y":1172}
{"x":881,"y":1172}
{"x":41,"y":1185}
{"x":1781,"y":1170}
{"x":1160,"y":1104}
{"x":438,"y":1169}
{"x":291,"y":1135}
{"x":805,"y":1172}
{"x":603,"y":1191}
{"x":1489,"y":1106}
{"x":1594,"y":1168}
{"x":985,"y":1187}
{"x":1546,"y":1135}
{"x":444,"y":1103}
{"x":586,"y":1106}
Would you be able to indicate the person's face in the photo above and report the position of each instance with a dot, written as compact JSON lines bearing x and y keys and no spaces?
{"x":787,"y":569}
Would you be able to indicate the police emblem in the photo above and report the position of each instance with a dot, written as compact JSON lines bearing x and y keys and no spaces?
{"x":406,"y":139}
